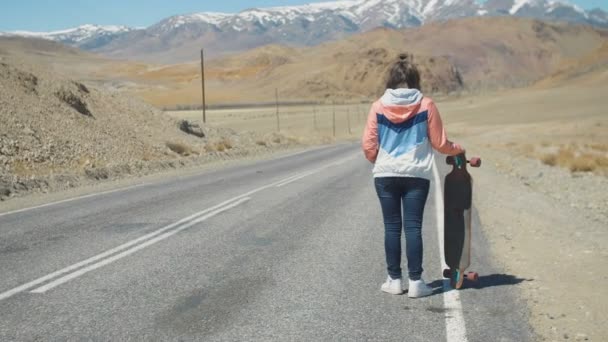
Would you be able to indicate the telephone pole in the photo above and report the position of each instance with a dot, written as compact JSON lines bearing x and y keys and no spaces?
{"x":276,"y":92}
{"x":334,"y":118}
{"x":203,"y":85}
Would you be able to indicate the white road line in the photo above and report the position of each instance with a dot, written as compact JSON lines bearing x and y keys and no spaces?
{"x":107,"y":253}
{"x":72,"y":199}
{"x":151,"y":235}
{"x":287,"y":180}
{"x":311,"y":172}
{"x":128,"y":252}
{"x":297,"y":177}
{"x":455,"y":329}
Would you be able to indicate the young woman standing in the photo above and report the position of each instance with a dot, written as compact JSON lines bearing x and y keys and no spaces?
{"x":403,"y":128}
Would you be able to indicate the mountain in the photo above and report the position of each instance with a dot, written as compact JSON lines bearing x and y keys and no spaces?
{"x":470,"y":54}
{"x":548,"y":10}
{"x":473,"y":54}
{"x":179,"y":38}
{"x":85,"y":37}
{"x":592,"y":68}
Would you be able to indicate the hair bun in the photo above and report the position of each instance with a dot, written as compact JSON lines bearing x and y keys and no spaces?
{"x":403,"y":57}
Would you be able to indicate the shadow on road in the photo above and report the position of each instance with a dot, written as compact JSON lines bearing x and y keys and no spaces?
{"x":483,"y":282}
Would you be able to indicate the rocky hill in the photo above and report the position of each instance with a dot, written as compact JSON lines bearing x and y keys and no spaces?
{"x":58,"y":133}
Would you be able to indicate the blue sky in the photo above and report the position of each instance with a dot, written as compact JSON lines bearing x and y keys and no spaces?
{"x":47,"y":15}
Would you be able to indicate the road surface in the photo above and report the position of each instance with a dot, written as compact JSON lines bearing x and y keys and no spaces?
{"x":289,"y":249}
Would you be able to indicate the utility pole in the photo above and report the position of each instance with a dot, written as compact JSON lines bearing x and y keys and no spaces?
{"x":334,"y":117}
{"x":277,"y":100}
{"x":314,"y":113}
{"x":203,"y":85}
{"x":348,"y":120}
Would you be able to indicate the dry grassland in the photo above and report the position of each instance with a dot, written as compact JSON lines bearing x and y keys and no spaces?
{"x":307,"y":123}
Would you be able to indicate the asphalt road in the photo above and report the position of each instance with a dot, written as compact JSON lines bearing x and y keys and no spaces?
{"x":284,"y":250}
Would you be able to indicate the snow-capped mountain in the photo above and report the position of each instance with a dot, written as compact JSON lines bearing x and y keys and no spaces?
{"x":366,"y":14}
{"x":360,"y":14}
{"x":84,"y":36}
{"x":179,"y":37}
{"x":547,"y":9}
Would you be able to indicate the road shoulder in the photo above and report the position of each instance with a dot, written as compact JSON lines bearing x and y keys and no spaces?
{"x":538,"y":237}
{"x":33,"y":199}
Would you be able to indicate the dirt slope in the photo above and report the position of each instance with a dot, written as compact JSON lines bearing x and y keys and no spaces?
{"x":56,"y":132}
{"x":591,"y":68}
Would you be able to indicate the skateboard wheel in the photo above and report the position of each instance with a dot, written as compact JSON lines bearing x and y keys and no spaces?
{"x":447,"y":273}
{"x":449,"y":160}
{"x":473,"y":276}
{"x":475,"y":162}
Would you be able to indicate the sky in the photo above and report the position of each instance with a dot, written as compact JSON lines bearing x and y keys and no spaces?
{"x":49,"y":15}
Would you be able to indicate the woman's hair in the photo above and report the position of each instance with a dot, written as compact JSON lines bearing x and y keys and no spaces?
{"x":403,"y":72}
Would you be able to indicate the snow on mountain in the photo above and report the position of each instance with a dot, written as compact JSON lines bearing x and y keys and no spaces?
{"x":518,"y":4}
{"x":397,"y":13}
{"x":546,"y":6}
{"x":393,"y":13}
{"x":75,"y":36}
{"x":303,"y":25}
{"x":599,"y":17}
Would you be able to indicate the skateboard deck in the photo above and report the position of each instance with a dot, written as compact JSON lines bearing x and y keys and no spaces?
{"x":458,"y":198}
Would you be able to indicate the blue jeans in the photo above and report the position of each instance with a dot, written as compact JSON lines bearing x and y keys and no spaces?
{"x":411,"y":194}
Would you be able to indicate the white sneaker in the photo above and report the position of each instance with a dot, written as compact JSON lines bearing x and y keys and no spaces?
{"x":392,"y":286}
{"x":418,"y":288}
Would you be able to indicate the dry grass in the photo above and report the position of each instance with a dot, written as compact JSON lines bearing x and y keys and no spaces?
{"x":147,"y":155}
{"x":583,"y":164}
{"x":598,"y":147}
{"x":549,"y":159}
{"x":261,"y":143}
{"x":572,"y":158}
{"x":180,"y":148}
{"x":209,"y":148}
{"x":308,"y":122}
{"x":222,"y":145}
{"x":21,"y":168}
{"x":86,"y":162}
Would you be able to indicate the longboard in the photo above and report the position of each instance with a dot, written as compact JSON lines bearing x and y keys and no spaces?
{"x":458,"y":198}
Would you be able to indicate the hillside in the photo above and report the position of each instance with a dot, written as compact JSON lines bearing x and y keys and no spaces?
{"x":57,"y":132}
{"x":496,"y":52}
{"x":466,"y":55}
{"x":590,"y":69}
{"x":469,"y":54}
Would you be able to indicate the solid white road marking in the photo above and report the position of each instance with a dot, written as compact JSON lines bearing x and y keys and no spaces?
{"x":107,"y":253}
{"x":151,"y":235}
{"x":310,"y":172}
{"x":72,"y":199}
{"x":297,"y":177}
{"x":286,"y":180}
{"x":128,"y":252}
{"x":455,"y":329}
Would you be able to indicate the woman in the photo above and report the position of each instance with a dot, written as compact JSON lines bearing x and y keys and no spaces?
{"x":401,"y":128}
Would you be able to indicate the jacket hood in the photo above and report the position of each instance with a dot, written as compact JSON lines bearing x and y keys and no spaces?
{"x":399,"y":105}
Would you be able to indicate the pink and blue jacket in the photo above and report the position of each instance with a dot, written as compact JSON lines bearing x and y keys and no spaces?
{"x":402,"y":129}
